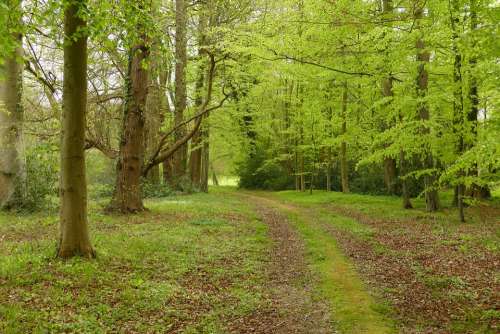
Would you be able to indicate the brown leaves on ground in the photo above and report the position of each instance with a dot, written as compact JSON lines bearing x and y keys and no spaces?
{"x":290,"y":304}
{"x":442,"y":280}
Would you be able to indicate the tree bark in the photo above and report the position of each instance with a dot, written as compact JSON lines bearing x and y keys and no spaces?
{"x":328,"y":179}
{"x":128,"y":195}
{"x":215,"y":180}
{"x":404,"y":184}
{"x":162,"y":153}
{"x":74,"y":237}
{"x":195,"y":160}
{"x":302,"y":173}
{"x":423,"y":58}
{"x":390,"y":174}
{"x":155,"y":109}
{"x":458,"y":105}
{"x":153,"y":123}
{"x":476,"y":191}
{"x":344,"y":168}
{"x":180,"y":156}
{"x":12,"y":162}
{"x":205,"y":135}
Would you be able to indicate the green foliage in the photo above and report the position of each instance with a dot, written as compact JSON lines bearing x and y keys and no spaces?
{"x":42,"y":175}
{"x":155,"y":189}
{"x":100,"y":175}
{"x":256,"y":171}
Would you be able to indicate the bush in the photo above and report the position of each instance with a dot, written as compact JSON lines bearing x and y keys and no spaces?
{"x":42,"y":177}
{"x":257,"y":172}
{"x":155,"y":189}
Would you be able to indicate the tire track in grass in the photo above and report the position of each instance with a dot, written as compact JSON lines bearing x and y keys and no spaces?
{"x":293,"y":305}
{"x":352,"y":308}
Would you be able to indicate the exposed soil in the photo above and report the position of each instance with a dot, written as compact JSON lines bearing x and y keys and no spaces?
{"x":291,"y":305}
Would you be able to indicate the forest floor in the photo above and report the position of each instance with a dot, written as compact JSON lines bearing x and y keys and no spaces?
{"x":257,"y":262}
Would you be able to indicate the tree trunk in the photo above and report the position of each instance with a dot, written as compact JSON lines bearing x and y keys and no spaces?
{"x":390,"y":175}
{"x":195,"y":160}
{"x":404,"y":183}
{"x":74,"y":237}
{"x":215,"y":180}
{"x":423,"y":58}
{"x":389,"y":163}
{"x":302,"y":176}
{"x":387,"y":92}
{"x":458,"y":106}
{"x":167,"y":171}
{"x":12,"y":163}
{"x":180,"y":156}
{"x":205,"y":133}
{"x":344,"y":168}
{"x":328,"y":179}
{"x":476,"y":191}
{"x":128,"y":195}
{"x":153,"y":117}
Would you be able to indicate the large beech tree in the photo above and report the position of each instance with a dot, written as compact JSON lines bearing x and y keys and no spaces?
{"x":74,"y":239}
{"x":128,"y":196}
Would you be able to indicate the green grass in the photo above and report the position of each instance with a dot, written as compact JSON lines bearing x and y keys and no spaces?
{"x":150,"y":270}
{"x":353,"y":309}
{"x":194,"y":263}
{"x":370,"y":219}
{"x":389,"y":207}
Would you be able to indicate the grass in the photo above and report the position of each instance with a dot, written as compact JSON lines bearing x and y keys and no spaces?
{"x":192,"y":263}
{"x":431,"y":247}
{"x":195,"y":264}
{"x":390,"y":207}
{"x":354,"y":310}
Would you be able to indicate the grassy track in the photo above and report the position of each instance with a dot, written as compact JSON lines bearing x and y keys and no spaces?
{"x":353,"y":309}
{"x":200,"y":264}
{"x":439,"y":275}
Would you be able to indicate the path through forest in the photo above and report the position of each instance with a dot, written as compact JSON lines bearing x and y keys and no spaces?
{"x":331,"y":288}
{"x":255,"y":262}
{"x":296,"y":310}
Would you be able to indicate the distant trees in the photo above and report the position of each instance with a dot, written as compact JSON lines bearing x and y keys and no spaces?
{"x":413,"y":117}
{"x":180,"y":156}
{"x":358,"y":96}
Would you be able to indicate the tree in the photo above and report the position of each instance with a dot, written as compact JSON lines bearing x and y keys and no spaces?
{"x":74,"y":239}
{"x":344,"y":168}
{"x":180,"y":157}
{"x":423,"y":57}
{"x":12,"y":165}
{"x":128,"y":195}
{"x":387,"y":92}
{"x":197,"y":144}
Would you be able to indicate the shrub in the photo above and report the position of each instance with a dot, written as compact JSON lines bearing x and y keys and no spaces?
{"x":256,"y":171}
{"x":42,"y":174}
{"x":155,"y":189}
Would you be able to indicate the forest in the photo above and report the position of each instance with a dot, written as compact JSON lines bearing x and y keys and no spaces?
{"x":250,"y":166}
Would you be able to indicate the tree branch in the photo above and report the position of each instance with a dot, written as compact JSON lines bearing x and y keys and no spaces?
{"x":160,"y":154}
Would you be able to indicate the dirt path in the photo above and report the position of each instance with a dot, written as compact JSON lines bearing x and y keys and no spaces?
{"x":437,"y":278}
{"x":292,"y":306}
